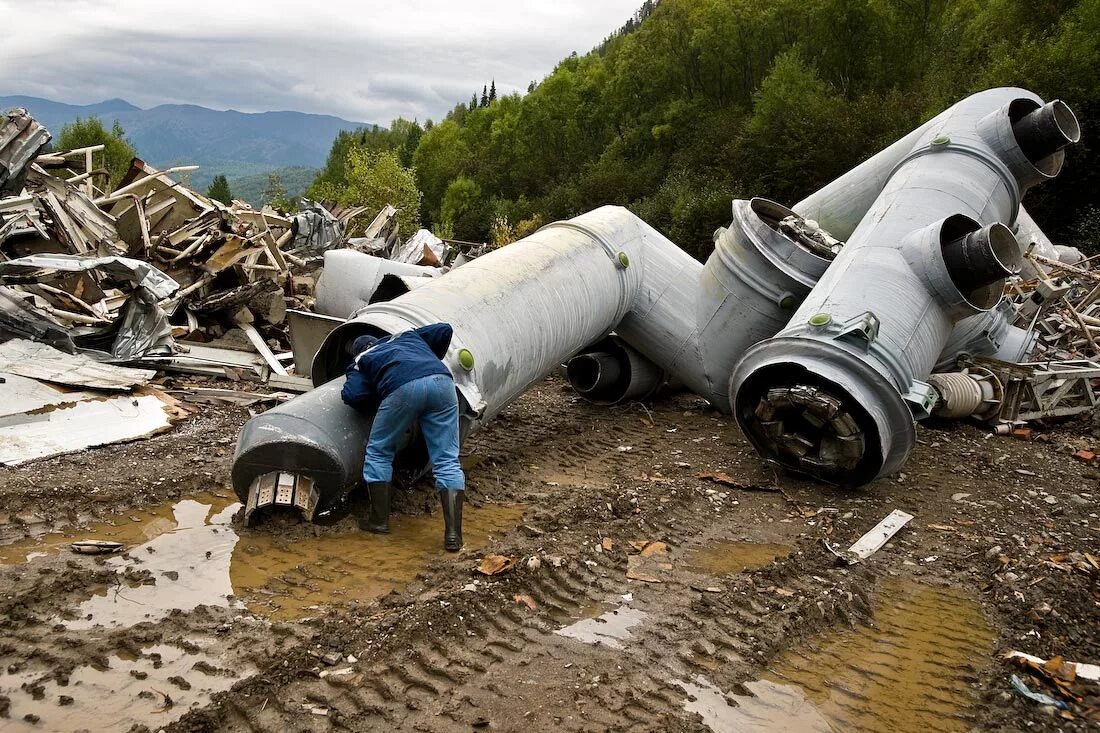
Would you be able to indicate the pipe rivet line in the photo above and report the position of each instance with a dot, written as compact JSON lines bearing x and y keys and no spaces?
{"x":624,"y":260}
{"x":820,"y":320}
{"x":466,"y":359}
{"x":941,"y":140}
{"x":788,"y":302}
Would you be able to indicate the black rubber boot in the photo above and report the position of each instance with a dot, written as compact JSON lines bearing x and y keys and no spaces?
{"x":452,"y":519}
{"x":378,"y":520}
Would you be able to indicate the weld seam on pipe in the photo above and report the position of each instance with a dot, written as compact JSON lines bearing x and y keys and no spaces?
{"x":994,"y":163}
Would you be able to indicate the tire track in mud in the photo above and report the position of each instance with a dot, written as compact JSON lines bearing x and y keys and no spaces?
{"x":485,"y":657}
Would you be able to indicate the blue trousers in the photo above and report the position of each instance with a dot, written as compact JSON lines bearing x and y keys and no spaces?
{"x":433,"y":402}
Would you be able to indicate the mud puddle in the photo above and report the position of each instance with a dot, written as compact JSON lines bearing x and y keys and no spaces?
{"x":189,"y":553}
{"x":153,"y":689}
{"x":610,"y":628}
{"x":729,"y":558}
{"x":134,"y":527}
{"x":913,"y":670}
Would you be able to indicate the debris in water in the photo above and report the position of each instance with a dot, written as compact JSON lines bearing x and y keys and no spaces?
{"x":96,"y":547}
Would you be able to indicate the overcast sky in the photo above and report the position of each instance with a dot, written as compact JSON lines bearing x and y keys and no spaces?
{"x":367,"y":61}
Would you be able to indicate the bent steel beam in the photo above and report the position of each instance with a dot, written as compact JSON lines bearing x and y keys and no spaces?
{"x":835,"y":393}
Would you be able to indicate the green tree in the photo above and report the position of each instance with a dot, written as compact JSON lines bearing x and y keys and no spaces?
{"x":493,"y":91}
{"x":219,"y":190}
{"x":275,"y":195}
{"x":463,"y":210}
{"x":117,"y":152}
{"x":484,"y":97}
{"x":377,"y":179}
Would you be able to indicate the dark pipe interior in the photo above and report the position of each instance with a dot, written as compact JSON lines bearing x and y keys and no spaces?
{"x":590,"y":372}
{"x":1046,"y":130}
{"x":981,"y":258}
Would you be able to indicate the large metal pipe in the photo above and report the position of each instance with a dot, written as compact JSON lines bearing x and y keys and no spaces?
{"x":520,"y":311}
{"x":834,"y":394}
{"x":349,"y":280}
{"x":611,"y":372}
{"x":694,"y":321}
{"x":517,"y":313}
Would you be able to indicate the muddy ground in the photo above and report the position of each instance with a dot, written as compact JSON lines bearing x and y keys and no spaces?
{"x":642,"y":597}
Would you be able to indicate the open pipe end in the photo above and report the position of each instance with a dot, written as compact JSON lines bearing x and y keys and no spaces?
{"x":811,"y":430}
{"x":820,"y":411}
{"x":1047,"y":129}
{"x":982,"y":258}
{"x":612,"y":372}
{"x":593,"y":372}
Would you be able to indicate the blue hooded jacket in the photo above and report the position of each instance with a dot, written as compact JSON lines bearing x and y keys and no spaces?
{"x":393,"y":362}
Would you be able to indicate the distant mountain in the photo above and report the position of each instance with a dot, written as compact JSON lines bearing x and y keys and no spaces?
{"x":221,"y":142}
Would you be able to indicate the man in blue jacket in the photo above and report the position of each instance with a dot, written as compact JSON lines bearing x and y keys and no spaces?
{"x":404,"y":378}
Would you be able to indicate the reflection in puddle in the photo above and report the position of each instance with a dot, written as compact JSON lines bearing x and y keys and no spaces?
{"x":610,"y":628}
{"x":134,"y":527}
{"x":190,"y":566}
{"x":134,"y":687}
{"x":769,"y":706}
{"x":196,"y":556}
{"x":727,"y":558}
{"x":911,"y":671}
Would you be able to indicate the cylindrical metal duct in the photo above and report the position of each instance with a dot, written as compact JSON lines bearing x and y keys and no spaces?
{"x":987,"y":334}
{"x":982,"y":258}
{"x":1046,"y":130}
{"x":1069,"y":255}
{"x":517,"y":313}
{"x":350,"y":278}
{"x":858,"y":349}
{"x":314,"y":435}
{"x":610,"y":372}
{"x":593,"y":372}
{"x":695,"y":321}
{"x":394,"y":286}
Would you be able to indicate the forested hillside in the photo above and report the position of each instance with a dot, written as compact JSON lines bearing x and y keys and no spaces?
{"x":695,"y":102}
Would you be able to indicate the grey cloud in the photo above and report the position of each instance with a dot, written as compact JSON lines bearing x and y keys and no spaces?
{"x":316,"y":61}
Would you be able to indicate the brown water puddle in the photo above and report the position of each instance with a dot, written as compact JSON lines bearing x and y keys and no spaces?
{"x":114,"y":698}
{"x":134,"y":527}
{"x":728,"y":558}
{"x":910,"y":671}
{"x":196,"y":556}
